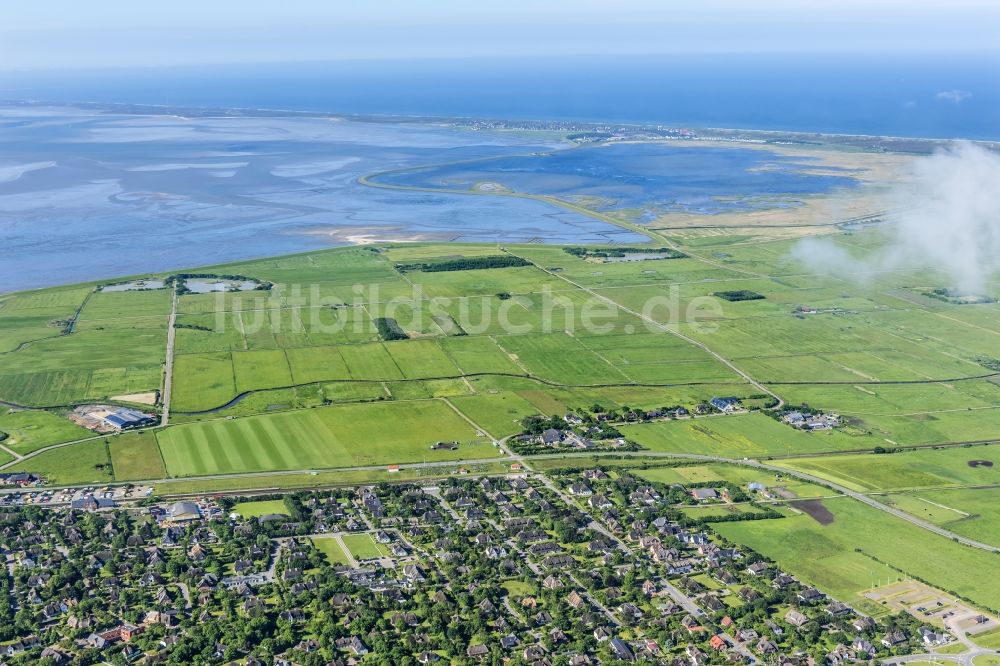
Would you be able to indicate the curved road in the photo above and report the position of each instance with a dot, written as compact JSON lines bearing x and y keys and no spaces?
{"x":525,"y":460}
{"x":816,"y":480}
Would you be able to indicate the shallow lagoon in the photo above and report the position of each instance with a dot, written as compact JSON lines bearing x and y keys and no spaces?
{"x":135,"y":285}
{"x":198,"y":286}
{"x":651,"y":178}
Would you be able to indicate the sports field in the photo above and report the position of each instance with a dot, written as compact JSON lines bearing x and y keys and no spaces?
{"x":364,"y":547}
{"x":336,"y":436}
{"x":260,"y":508}
{"x":331,"y":549}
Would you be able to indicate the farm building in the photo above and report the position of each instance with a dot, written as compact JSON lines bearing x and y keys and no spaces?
{"x":704,"y":493}
{"x":726,"y":405}
{"x":812,"y":421}
{"x":126,"y":419}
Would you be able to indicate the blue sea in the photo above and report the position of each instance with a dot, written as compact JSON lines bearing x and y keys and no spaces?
{"x":88,"y":193}
{"x":910,"y":95}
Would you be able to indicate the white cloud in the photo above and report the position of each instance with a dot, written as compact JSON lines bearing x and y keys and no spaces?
{"x":954,"y":96}
{"x":949,"y":222}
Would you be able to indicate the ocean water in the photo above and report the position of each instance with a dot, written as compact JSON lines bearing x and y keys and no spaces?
{"x":916,"y":95}
{"x":88,"y":194}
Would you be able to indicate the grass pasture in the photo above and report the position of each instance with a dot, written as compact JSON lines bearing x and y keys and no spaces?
{"x":717,"y":511}
{"x":202,"y":381}
{"x":739,"y":436}
{"x":29,"y":431}
{"x":924,"y":468}
{"x":736,"y":474}
{"x":843,"y":558}
{"x":136,"y":457}
{"x":558,"y":357}
{"x":85,"y":462}
{"x":480,"y":354}
{"x":971,"y":512}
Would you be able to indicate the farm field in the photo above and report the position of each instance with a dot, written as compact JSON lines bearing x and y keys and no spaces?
{"x":971,"y":512}
{"x":323,"y":390}
{"x":84,"y":462}
{"x":735,"y":474}
{"x":715,"y":511}
{"x":306,"y":480}
{"x":337,"y":436}
{"x":136,"y":457}
{"x":845,"y":557}
{"x":925,"y":468}
{"x":738,"y":436}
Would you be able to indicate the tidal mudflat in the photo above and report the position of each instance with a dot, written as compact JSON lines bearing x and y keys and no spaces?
{"x":151,"y":193}
{"x":146,"y":193}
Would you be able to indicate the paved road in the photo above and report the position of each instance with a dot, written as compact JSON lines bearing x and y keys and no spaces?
{"x":525,"y":461}
{"x":872,"y":503}
{"x":17,"y":456}
{"x":683,"y":600}
{"x":843,"y":490}
{"x":168,"y":365}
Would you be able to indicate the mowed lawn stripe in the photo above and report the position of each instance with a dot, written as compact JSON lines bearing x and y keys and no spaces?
{"x":216,"y":448}
{"x":327,"y":437}
{"x":174,"y":441}
{"x":308,"y":438}
{"x":263,"y":457}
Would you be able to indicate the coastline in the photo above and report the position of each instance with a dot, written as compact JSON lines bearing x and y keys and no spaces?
{"x":707,"y":133}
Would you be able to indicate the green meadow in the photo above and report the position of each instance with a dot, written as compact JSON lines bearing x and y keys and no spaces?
{"x":135,"y":456}
{"x":260,"y":508}
{"x":971,"y":512}
{"x":924,"y":468}
{"x":29,"y":431}
{"x":863,"y":547}
{"x":323,"y":390}
{"x":81,"y":463}
{"x":739,"y":436}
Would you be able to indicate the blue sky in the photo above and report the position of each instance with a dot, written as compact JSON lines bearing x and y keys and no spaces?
{"x":62,"y":34}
